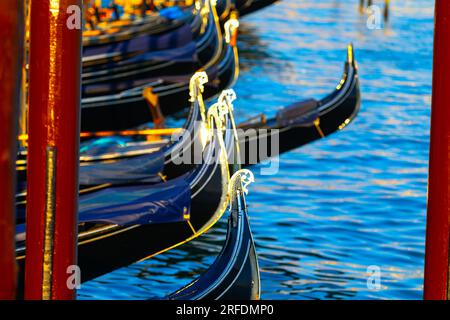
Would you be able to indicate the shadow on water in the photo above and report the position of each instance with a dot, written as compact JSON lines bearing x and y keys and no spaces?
{"x":252,"y":51}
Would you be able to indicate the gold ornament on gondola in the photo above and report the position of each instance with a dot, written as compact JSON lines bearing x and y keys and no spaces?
{"x":230,"y":27}
{"x":196,"y":85}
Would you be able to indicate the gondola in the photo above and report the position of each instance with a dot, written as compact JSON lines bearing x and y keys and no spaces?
{"x":302,"y":122}
{"x":184,"y":59}
{"x":98,"y":50}
{"x":234,"y":275}
{"x":239,"y":5}
{"x":151,"y":65}
{"x":255,"y":5}
{"x":124,"y":223}
{"x":156,"y":23}
{"x":129,"y":108}
{"x":153,"y":16}
{"x":117,"y":160}
{"x":292,"y":127}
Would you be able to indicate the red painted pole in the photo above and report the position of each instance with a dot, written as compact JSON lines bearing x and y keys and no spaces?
{"x":11,"y":31}
{"x":54,"y":113}
{"x":437,"y":238}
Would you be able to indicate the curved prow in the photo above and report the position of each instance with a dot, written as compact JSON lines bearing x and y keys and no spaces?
{"x":235,"y":273}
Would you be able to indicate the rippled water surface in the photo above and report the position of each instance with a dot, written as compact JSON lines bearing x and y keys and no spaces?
{"x":353,"y":200}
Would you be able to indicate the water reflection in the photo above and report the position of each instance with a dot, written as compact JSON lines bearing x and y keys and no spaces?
{"x":252,"y":51}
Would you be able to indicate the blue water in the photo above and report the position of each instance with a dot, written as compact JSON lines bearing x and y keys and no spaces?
{"x":353,"y":200}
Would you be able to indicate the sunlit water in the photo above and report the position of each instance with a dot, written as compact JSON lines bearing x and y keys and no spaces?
{"x":340,"y":205}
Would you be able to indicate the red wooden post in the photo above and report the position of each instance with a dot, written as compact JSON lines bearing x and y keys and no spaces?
{"x":437,"y":239}
{"x":54,"y":113}
{"x":11,"y":31}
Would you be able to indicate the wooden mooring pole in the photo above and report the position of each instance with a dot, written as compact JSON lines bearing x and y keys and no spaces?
{"x":53,"y":147}
{"x":11,"y":33}
{"x":436,"y":284}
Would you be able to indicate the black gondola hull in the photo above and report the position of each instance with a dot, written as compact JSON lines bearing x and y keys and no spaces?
{"x":255,"y":5}
{"x":133,"y":111}
{"x":107,"y":251}
{"x":183,"y":60}
{"x":234,"y":275}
